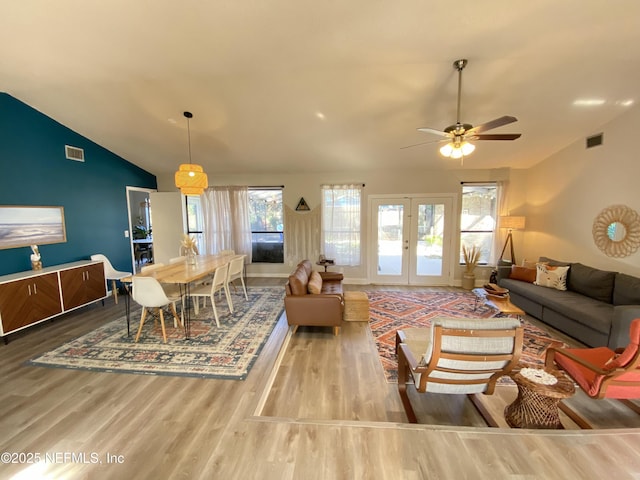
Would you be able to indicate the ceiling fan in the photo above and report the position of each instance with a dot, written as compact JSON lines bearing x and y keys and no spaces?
{"x":460,"y":134}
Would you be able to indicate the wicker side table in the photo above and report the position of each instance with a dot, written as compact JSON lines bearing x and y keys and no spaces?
{"x":537,"y":404}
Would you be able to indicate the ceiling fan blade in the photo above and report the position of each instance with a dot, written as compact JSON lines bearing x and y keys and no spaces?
{"x":434,"y":131}
{"x":418,"y":144}
{"x":495,"y":136}
{"x":498,"y":122}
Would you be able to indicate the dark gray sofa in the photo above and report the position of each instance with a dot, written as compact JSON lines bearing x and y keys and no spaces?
{"x":597,"y":308}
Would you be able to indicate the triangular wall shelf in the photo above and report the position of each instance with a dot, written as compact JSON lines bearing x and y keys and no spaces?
{"x":302,"y":206}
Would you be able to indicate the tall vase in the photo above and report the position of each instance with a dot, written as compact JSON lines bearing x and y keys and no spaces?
{"x":191,"y":257}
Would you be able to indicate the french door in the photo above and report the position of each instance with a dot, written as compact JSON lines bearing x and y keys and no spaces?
{"x":412,"y":240}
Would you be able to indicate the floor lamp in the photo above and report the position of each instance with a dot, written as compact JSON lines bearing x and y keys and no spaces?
{"x":511,"y":223}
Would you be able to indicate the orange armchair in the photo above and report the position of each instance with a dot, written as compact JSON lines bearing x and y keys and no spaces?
{"x":602,"y":372}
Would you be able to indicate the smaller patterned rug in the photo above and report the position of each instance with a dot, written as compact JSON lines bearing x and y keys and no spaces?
{"x":226,"y":352}
{"x":395,"y":310}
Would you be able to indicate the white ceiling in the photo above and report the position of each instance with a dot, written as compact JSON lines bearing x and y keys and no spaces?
{"x":256,"y":74}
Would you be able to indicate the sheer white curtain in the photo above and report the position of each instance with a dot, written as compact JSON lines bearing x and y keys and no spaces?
{"x":341,"y":223}
{"x":501,"y":209}
{"x":226,"y":220}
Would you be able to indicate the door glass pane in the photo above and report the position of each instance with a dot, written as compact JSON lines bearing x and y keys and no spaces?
{"x":430,"y":239}
{"x":390,"y":222}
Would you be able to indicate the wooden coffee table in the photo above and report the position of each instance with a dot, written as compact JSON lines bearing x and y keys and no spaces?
{"x":503,"y":305}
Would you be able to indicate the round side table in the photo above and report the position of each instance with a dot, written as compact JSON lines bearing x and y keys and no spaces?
{"x":537,"y":404}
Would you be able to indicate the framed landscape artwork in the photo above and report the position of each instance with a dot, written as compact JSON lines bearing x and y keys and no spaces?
{"x":24,"y":226}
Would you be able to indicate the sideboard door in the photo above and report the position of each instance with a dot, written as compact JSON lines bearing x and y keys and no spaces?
{"x":23,"y":302}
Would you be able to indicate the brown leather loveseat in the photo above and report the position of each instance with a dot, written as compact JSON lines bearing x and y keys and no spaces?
{"x":314,"y":298}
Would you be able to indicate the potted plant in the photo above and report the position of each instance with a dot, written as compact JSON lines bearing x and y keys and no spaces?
{"x":471,"y":259}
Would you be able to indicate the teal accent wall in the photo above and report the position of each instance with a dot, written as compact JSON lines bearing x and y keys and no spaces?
{"x":34,"y":171}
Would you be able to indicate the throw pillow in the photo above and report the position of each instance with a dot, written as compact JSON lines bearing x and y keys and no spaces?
{"x":551,"y":276}
{"x":315,"y":283}
{"x":523,"y":274}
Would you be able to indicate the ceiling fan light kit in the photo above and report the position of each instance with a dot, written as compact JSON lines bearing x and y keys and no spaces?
{"x":460,"y":134}
{"x":190,"y":177}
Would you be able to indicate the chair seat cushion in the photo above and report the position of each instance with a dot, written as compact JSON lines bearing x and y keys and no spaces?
{"x":588,"y":380}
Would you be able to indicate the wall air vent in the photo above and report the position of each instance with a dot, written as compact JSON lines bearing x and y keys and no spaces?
{"x":594,"y":140}
{"x":74,"y":153}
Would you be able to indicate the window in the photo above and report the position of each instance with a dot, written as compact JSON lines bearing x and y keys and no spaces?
{"x":341,"y":223}
{"x":267,"y":226}
{"x":195,"y":221}
{"x":479,"y":219}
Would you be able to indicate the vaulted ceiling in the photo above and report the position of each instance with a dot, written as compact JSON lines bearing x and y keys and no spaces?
{"x":308,"y":86}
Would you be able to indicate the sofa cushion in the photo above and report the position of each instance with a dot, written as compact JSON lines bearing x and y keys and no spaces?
{"x":315,"y":283}
{"x":298,"y":281}
{"x":523,"y":274}
{"x":594,"y":283}
{"x":551,"y":276}
{"x":626,"y":290}
{"x":555,"y":263}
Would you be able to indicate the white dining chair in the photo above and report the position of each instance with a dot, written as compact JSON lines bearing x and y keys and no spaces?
{"x":177,"y":259}
{"x":173,"y":292}
{"x":149,"y":294}
{"x":236,"y":271}
{"x":219,"y":283}
{"x":111,"y":273}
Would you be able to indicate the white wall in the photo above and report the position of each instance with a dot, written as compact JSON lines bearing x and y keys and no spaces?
{"x":564,"y":193}
{"x":377,"y":182}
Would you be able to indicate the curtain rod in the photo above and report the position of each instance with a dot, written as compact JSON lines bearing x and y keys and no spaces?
{"x":478,"y":183}
{"x":266,"y":187}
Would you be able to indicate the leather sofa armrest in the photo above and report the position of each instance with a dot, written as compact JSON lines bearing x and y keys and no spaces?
{"x":333,"y":276}
{"x":314,"y":309}
{"x":623,"y":315}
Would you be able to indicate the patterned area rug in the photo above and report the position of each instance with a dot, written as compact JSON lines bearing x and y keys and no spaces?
{"x":391,"y":311}
{"x":227,"y":352}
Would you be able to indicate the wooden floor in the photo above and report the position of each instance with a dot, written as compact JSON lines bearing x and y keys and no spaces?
{"x":319,"y":409}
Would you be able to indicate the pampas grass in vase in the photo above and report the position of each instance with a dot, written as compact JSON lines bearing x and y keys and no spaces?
{"x":471,"y":259}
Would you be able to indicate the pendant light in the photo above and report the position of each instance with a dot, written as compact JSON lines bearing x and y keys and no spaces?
{"x":190,"y":178}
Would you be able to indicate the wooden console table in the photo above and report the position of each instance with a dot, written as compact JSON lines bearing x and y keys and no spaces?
{"x":31,"y":297}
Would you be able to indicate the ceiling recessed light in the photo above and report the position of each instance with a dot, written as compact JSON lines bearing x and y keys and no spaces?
{"x":320,"y":115}
{"x":589,"y":102}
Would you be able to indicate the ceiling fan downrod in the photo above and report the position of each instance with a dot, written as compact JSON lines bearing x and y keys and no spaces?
{"x":459,"y":66}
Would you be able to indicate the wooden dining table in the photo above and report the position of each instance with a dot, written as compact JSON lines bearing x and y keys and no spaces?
{"x":183,"y":274}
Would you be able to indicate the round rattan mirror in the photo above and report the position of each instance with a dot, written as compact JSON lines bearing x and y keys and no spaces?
{"x":616,"y":231}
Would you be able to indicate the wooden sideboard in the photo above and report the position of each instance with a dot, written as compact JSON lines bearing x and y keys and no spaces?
{"x":27,"y":298}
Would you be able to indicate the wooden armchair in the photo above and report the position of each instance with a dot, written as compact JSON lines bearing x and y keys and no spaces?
{"x":601,"y":372}
{"x":457,"y":356}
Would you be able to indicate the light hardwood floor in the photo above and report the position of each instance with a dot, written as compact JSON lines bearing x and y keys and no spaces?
{"x":326,"y":412}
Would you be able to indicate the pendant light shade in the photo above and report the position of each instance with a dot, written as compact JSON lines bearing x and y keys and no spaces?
{"x":190,"y":178}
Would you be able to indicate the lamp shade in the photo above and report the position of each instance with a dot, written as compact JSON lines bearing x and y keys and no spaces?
{"x":512,"y":222}
{"x":191,"y":179}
